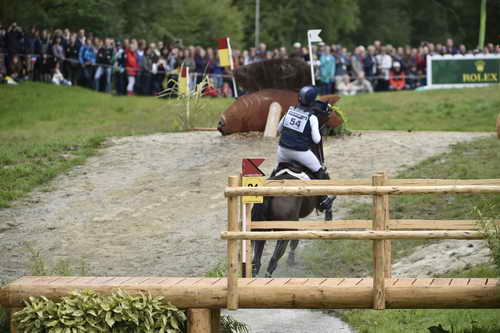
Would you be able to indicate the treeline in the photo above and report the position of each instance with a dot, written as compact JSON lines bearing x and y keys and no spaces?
{"x":349,"y":22}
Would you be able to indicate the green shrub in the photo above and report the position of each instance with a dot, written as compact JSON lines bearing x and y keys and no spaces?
{"x":489,"y":227}
{"x":86,"y":311}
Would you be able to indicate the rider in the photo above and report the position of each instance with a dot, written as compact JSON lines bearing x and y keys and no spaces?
{"x":299,"y":131}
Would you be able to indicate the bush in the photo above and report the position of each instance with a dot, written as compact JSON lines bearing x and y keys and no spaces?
{"x":86,"y":311}
{"x":491,"y":230}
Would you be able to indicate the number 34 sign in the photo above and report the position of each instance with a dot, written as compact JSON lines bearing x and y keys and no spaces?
{"x":252,"y":182}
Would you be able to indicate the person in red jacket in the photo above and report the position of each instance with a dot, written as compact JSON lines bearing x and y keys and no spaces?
{"x":397,"y":79}
{"x":131,"y":66}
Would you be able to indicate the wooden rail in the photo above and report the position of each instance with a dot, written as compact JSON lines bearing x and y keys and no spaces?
{"x":381,"y":229}
{"x":305,"y":293}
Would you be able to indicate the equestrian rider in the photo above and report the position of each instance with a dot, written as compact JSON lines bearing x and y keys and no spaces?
{"x":299,"y":130}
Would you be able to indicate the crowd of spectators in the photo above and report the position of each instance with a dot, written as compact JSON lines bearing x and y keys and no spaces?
{"x":131,"y":66}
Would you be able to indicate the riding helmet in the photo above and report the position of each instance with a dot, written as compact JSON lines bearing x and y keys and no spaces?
{"x":307,"y":95}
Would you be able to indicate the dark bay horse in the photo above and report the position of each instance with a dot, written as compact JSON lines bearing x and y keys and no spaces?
{"x":284,"y":209}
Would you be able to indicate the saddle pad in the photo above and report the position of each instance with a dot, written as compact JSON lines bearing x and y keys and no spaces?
{"x":298,"y":175}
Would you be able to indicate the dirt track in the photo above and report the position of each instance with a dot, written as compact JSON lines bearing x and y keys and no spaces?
{"x":154,"y":205}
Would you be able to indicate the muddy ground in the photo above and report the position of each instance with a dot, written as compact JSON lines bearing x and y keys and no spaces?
{"x":154,"y":205}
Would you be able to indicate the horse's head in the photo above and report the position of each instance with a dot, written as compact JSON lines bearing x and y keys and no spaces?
{"x":333,"y":119}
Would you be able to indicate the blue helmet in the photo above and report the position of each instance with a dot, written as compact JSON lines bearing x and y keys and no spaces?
{"x":307,"y":95}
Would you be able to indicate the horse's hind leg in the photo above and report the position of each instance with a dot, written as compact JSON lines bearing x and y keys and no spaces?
{"x":291,"y":255}
{"x":278,"y":253}
{"x":258,"y":248}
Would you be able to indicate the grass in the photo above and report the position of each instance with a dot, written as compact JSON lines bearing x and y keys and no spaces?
{"x":453,"y":320}
{"x":470,"y":109}
{"x":474,"y":160}
{"x":46,"y":129}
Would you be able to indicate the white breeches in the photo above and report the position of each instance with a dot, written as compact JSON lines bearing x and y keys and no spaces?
{"x":306,"y":158}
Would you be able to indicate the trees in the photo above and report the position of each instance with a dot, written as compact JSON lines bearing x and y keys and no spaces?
{"x":349,"y":22}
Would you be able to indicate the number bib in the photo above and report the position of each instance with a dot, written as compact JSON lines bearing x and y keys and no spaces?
{"x":296,"y":120}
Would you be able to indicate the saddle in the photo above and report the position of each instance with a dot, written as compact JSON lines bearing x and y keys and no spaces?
{"x":294,"y":169}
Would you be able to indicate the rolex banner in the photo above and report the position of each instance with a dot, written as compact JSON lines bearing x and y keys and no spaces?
{"x":452,"y":71}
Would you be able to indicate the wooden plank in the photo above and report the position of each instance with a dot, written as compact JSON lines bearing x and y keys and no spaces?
{"x":435,"y":224}
{"x":441,"y":282}
{"x":402,"y":282}
{"x":459,"y":282}
{"x":387,"y":242}
{"x":312,"y":225}
{"x":477,"y":282}
{"x":422,"y":282}
{"x":359,"y":235}
{"x":379,"y":220}
{"x":286,"y":293}
{"x":357,"y":190}
{"x":390,"y":182}
{"x":232,"y":247}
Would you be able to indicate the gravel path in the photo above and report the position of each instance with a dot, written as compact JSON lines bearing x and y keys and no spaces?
{"x":154,"y":205}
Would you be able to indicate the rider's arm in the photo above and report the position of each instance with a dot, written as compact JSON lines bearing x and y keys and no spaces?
{"x":280,"y":125}
{"x":316,"y":136}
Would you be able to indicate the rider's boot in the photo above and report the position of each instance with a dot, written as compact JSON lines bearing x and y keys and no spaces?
{"x":325,"y":201}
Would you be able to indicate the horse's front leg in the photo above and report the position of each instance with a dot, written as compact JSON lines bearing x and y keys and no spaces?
{"x":291,"y":255}
{"x":279,"y":251}
{"x":258,"y":248}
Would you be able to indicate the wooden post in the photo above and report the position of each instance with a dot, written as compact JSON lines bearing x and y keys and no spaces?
{"x":378,"y":247}
{"x":249,"y":249}
{"x":215,"y":320}
{"x":387,"y":242}
{"x":201,"y":321}
{"x":273,"y":120}
{"x":232,"y":247}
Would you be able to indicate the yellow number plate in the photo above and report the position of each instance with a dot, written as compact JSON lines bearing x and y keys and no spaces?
{"x":252,"y":182}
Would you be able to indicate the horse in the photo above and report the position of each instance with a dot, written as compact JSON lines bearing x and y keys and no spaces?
{"x":284,"y":209}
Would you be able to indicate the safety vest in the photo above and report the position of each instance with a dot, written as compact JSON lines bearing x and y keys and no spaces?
{"x":296,"y":132}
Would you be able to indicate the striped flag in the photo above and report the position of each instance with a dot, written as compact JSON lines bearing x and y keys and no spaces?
{"x":224,"y":52}
{"x":183,"y":82}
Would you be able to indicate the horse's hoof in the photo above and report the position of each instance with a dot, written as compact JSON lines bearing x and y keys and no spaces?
{"x":329,"y":215}
{"x":291,"y":260}
{"x":268,"y":275}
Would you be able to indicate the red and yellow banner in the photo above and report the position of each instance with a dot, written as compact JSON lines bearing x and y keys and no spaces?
{"x":183,"y":82}
{"x":224,"y":52}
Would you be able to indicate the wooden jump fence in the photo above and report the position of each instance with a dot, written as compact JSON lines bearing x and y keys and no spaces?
{"x":383,"y":230}
{"x":204,"y":297}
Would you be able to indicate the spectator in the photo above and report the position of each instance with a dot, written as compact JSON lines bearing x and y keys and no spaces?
{"x":87,"y":58}
{"x":58,"y":51}
{"x":413,"y":80}
{"x":131,"y":66}
{"x":261,"y":52}
{"x":362,"y":85}
{"x":58,"y":78}
{"x":297,"y":52}
{"x":104,"y":59}
{"x":72,"y":65}
{"x":226,"y":90}
{"x":326,"y":70}
{"x":16,"y":69}
{"x":119,"y":67}
{"x":370,"y":65}
{"x":357,"y":61}
{"x":397,"y":79}
{"x":384,"y":62}
{"x":345,"y":86}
